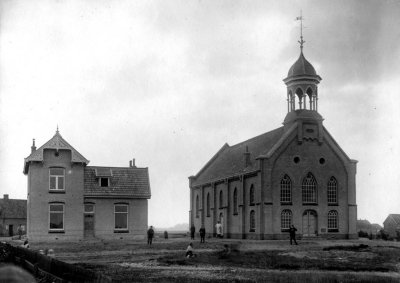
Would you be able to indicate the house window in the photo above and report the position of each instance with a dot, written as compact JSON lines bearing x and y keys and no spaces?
{"x":208,"y":205}
{"x":332,"y":191}
{"x":309,"y":190}
{"x":235,"y":202}
{"x":221,"y":199}
{"x":57,"y":176}
{"x":286,"y":219}
{"x":56,"y":217}
{"x":121,"y":217}
{"x":252,"y":221}
{"x":332,"y":221}
{"x":251,"y":195}
{"x":197,"y":206}
{"x":286,"y":190}
{"x":104,"y":182}
{"x":89,"y":208}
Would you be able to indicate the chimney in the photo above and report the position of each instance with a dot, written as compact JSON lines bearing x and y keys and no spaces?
{"x":132,"y":163}
{"x":246,"y":157}
{"x":33,"y":147}
{"x":5,"y":197}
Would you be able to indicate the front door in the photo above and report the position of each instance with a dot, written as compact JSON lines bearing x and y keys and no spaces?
{"x":10,"y":230}
{"x":309,"y":223}
{"x":89,"y":225}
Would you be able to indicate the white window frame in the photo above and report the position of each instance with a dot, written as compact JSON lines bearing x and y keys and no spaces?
{"x":332,"y":191}
{"x":333,"y":220}
{"x":309,"y":190}
{"x":252,"y":221}
{"x":286,"y":190}
{"x":58,"y":212}
{"x":286,"y":219}
{"x":127,"y":216}
{"x":57,"y":177}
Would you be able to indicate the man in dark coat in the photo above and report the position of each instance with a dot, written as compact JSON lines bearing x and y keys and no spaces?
{"x":202,"y":234}
{"x":150,"y":235}
{"x":292,"y":232}
{"x":192,"y":230}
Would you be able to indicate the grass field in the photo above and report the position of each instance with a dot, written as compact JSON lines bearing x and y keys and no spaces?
{"x":235,"y":260}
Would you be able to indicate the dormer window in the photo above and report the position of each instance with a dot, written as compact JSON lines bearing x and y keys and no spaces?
{"x":104,"y":182}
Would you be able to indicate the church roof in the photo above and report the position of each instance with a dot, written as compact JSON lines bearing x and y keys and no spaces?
{"x":229,"y":160}
{"x":394,"y":218}
{"x":56,"y":142}
{"x":301,"y":68}
{"x":127,"y":182}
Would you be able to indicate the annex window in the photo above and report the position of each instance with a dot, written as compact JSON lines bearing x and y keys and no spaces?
{"x":56,"y":217}
{"x":121,"y":217}
{"x":208,"y":205}
{"x":89,"y":208}
{"x":332,"y":191}
{"x":57,"y":177}
{"x":286,"y":219}
{"x":252,"y":221}
{"x":251,"y":197}
{"x":104,"y":182}
{"x":235,"y":201}
{"x":197,"y":206}
{"x":221,"y":199}
{"x":286,"y":190}
{"x":332,"y":221}
{"x":309,"y":189}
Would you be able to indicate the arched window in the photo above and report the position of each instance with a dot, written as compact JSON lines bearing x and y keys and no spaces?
{"x":208,"y":205}
{"x":286,"y":219}
{"x":235,"y":202}
{"x":251,"y":198}
{"x":252,"y":221}
{"x":197,"y":206}
{"x":309,"y":189}
{"x":333,"y":221}
{"x":332,"y":191}
{"x":286,"y":190}
{"x":221,"y":199}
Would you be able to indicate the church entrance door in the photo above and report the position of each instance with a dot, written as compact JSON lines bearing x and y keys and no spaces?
{"x":309,"y":223}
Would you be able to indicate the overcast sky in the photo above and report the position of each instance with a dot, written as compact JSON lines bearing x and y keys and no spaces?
{"x":169,"y":82}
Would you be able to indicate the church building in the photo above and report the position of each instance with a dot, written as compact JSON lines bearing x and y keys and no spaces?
{"x":293,"y":175}
{"x":69,"y":200}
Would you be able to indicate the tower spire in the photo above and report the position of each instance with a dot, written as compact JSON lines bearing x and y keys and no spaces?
{"x":57,"y":132}
{"x":301,"y":41}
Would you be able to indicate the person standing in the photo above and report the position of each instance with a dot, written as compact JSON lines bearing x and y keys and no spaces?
{"x":150,"y":235}
{"x":218,"y":227}
{"x":202,"y":234}
{"x":20,"y":231}
{"x":192,"y":230}
{"x":292,"y":232}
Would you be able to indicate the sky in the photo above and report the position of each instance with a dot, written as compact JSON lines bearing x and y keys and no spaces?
{"x":169,"y":82}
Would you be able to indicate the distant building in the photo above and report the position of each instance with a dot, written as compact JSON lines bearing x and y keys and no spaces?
{"x":364,"y":225}
{"x":392,"y":225}
{"x":296,"y":174}
{"x":12,"y":215}
{"x":375,"y":228}
{"x":69,"y":200}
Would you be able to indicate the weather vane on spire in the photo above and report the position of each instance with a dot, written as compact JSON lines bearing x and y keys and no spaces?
{"x":57,"y":130}
{"x":301,"y":19}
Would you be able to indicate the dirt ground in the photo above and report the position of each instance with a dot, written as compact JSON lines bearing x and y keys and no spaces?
{"x":224,"y":260}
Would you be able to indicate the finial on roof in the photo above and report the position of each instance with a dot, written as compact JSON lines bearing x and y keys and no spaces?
{"x":57,"y":132}
{"x":301,"y":41}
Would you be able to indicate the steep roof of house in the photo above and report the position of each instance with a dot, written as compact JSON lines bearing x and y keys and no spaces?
{"x":127,"y":182}
{"x":13,"y":208}
{"x":229,"y":160}
{"x":56,"y":142}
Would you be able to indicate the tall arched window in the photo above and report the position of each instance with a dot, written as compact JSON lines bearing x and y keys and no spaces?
{"x":235,"y":201}
{"x":332,"y":191}
{"x":208,"y":205}
{"x":251,"y":198}
{"x":221,"y":199}
{"x":286,"y":190}
{"x":309,"y":189}
{"x":252,"y":221}
{"x":286,"y":219}
{"x":197,"y":206}
{"x":333,"y":221}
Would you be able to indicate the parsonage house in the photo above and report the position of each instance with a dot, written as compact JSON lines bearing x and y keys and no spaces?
{"x":69,"y":200}
{"x":295,"y":174}
{"x":392,"y":225}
